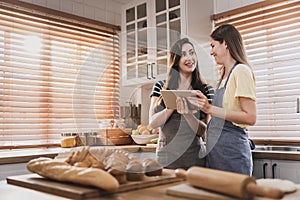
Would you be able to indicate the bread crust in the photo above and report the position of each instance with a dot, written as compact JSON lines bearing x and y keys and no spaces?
{"x":63,"y":171}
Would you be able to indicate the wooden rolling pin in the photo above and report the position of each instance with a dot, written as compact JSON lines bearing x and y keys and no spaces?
{"x":229,"y":183}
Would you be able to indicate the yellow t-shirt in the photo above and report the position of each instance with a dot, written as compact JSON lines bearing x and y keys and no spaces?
{"x":240,"y":84}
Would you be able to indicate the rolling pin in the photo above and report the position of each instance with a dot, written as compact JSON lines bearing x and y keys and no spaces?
{"x":229,"y":183}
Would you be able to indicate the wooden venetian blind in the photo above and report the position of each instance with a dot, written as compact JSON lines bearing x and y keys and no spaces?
{"x":271,"y":32}
{"x":58,"y":73}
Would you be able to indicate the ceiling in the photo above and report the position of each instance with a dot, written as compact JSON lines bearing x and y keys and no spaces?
{"x":122,"y":1}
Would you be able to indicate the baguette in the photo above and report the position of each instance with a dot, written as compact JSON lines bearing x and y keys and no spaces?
{"x":63,"y":171}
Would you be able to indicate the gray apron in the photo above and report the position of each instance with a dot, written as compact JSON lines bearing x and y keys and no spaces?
{"x":178,"y":144}
{"x":227,"y":145}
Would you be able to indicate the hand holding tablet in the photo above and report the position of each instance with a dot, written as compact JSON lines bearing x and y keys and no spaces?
{"x":170,"y":96}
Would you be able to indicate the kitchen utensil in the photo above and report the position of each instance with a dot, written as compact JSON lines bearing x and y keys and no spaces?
{"x":230,"y":183}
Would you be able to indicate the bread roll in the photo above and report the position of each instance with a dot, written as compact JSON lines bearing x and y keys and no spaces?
{"x":116,"y":166}
{"x":152,"y":167}
{"x":135,"y":170}
{"x":120,"y":175}
{"x":63,"y":171}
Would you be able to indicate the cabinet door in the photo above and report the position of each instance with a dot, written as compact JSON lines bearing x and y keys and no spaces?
{"x":151,"y":27}
{"x":261,"y":168}
{"x":286,"y":169}
{"x":135,"y":41}
{"x":281,"y":169}
{"x":168,"y":30}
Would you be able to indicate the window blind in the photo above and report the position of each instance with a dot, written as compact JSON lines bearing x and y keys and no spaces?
{"x":58,"y":73}
{"x":271,"y":33}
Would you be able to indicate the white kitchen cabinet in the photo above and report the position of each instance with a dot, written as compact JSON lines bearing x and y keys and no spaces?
{"x":149,"y":29}
{"x":282,"y":169}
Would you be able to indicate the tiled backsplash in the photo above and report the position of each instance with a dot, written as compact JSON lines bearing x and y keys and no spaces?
{"x":107,"y":11}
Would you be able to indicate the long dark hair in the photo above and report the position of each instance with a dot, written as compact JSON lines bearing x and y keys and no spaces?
{"x":173,"y":77}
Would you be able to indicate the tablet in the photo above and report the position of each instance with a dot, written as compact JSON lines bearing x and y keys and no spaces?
{"x":170,"y":96}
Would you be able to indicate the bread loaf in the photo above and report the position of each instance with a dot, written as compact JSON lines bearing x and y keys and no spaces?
{"x":63,"y":171}
{"x":68,"y":142}
{"x":73,"y":141}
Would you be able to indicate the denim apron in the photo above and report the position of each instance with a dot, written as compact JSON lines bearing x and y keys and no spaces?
{"x":178,"y":144}
{"x":227,"y":145}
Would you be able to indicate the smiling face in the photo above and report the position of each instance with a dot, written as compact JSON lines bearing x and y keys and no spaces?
{"x":188,"y":60}
{"x":218,"y":51}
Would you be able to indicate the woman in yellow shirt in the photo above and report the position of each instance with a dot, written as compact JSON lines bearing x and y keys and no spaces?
{"x":233,"y":108}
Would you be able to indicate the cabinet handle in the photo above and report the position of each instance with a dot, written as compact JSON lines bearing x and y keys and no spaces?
{"x":148,"y":65}
{"x":273,"y":170}
{"x":264,"y":169}
{"x":152,"y":64}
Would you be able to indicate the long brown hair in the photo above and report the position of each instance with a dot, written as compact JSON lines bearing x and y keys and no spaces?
{"x":234,"y":41}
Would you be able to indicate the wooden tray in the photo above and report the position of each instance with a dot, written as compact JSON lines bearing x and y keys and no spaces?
{"x":76,"y":191}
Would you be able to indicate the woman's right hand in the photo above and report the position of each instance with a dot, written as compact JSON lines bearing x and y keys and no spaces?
{"x":201,"y":102}
{"x":183,"y":107}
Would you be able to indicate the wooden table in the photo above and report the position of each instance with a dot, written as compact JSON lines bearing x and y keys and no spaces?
{"x":9,"y":192}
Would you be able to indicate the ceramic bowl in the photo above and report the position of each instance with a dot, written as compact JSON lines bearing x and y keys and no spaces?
{"x":144,"y":139}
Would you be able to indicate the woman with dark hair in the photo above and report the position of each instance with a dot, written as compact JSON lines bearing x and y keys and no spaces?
{"x":233,"y":108}
{"x":179,"y":129}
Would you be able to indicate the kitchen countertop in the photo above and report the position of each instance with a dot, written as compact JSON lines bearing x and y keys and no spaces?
{"x":287,"y":141}
{"x":21,"y":155}
{"x":279,"y":155}
{"x":24,"y":155}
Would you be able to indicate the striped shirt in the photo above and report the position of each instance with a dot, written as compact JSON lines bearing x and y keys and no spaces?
{"x":157,"y":88}
{"x":209,"y":91}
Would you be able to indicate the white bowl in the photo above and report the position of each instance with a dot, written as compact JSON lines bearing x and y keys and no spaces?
{"x":144,"y":139}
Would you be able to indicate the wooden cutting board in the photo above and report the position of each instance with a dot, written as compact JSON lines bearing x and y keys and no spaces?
{"x":188,"y":191}
{"x":76,"y":191}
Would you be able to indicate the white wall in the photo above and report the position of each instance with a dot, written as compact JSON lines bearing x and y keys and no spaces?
{"x":225,"y":5}
{"x":109,"y":11}
{"x":101,"y":10}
